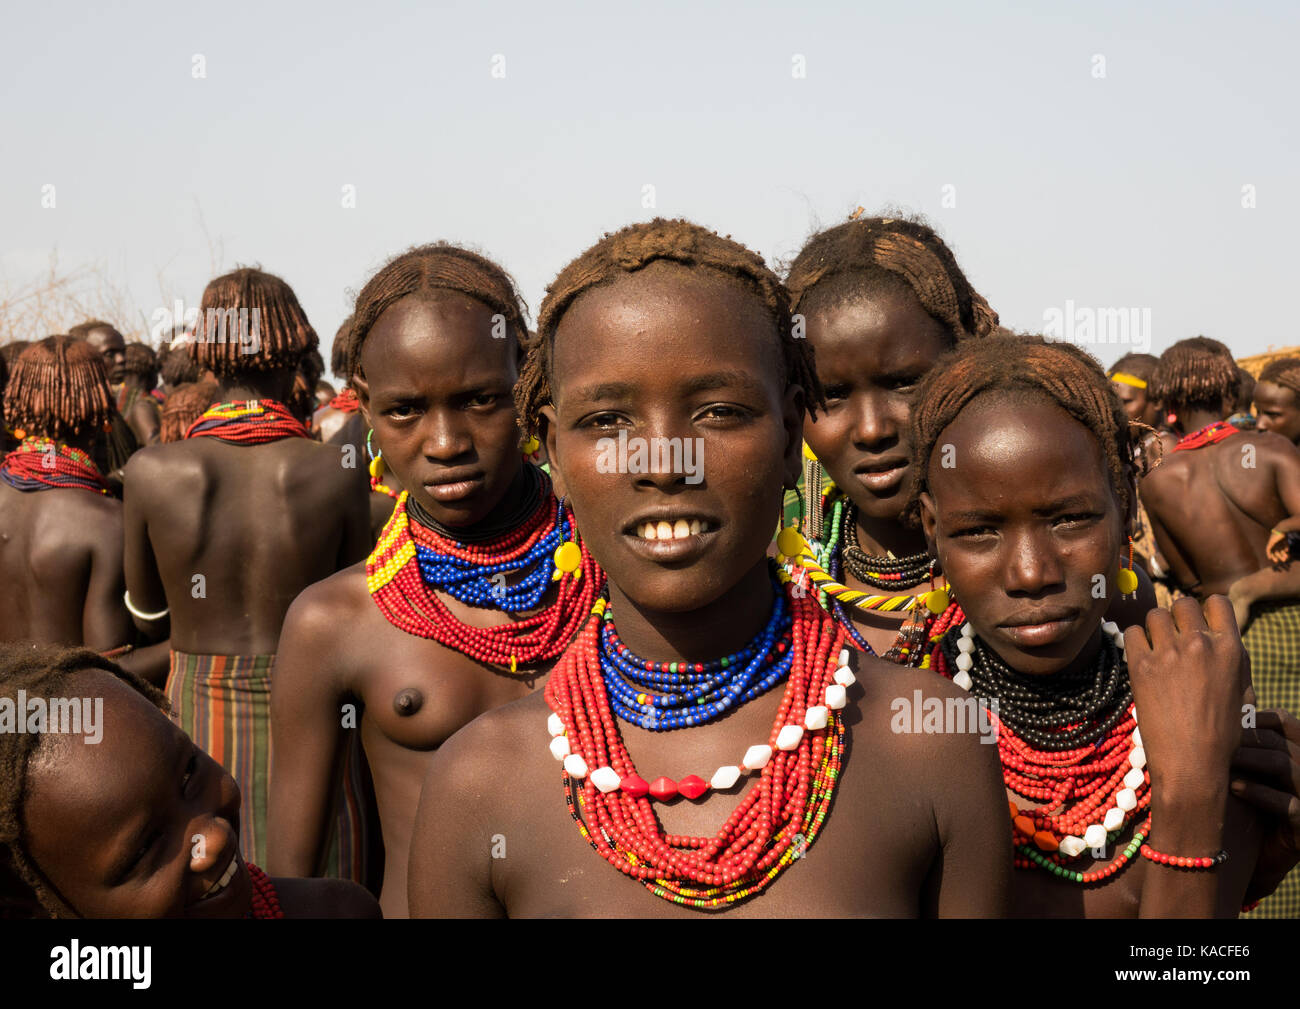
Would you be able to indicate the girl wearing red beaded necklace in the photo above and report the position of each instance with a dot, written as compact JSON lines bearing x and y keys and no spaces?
{"x":476,"y":585}
{"x":141,"y":824}
{"x":1028,"y":525}
{"x":698,"y":661}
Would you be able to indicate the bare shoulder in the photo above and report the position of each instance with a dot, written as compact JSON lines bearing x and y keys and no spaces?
{"x":325,"y":898}
{"x":512,"y":736}
{"x":332,"y":603}
{"x":158,"y":466}
{"x":1274,"y":447}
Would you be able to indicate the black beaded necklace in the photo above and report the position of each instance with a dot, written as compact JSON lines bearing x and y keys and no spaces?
{"x":1063,"y":711}
{"x":890,"y":573}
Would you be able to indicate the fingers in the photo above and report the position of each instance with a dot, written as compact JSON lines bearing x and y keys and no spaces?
{"x":1219,"y":616}
{"x":1278,"y":720}
{"x":1278,"y":805}
{"x":1276,"y":766}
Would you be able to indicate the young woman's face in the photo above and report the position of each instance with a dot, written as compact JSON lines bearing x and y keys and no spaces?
{"x":113,"y":348}
{"x":438,"y":392}
{"x":1021,"y":512}
{"x":1137,"y":404}
{"x":871,"y":354}
{"x":687,"y":368}
{"x":142,"y":824}
{"x":1278,"y":410}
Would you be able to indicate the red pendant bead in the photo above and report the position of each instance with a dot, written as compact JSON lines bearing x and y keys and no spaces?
{"x":663,"y":788}
{"x":635,"y":786}
{"x":692,"y":786}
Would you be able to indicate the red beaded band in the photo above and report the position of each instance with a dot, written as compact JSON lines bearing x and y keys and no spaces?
{"x":1182,"y":861}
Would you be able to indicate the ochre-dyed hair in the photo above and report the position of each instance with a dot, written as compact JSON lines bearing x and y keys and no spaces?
{"x":1244,"y":392}
{"x":142,"y":362}
{"x":83,"y":329}
{"x":1141,"y":366}
{"x":341,"y":350}
{"x":178,"y":367}
{"x":1285,"y":371}
{"x":232,"y":305}
{"x":57,"y":388}
{"x":40,"y":671}
{"x":635,"y":247}
{"x":424,"y":270}
{"x":885,"y":254}
{"x":1195,"y":374}
{"x":10,"y":351}
{"x":1022,"y":366}
{"x":184,"y":406}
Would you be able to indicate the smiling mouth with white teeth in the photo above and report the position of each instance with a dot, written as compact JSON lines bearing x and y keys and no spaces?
{"x":224,"y":881}
{"x":678,"y":530}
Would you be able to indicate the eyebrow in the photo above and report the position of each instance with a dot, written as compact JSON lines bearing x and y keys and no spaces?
{"x":694,"y":384}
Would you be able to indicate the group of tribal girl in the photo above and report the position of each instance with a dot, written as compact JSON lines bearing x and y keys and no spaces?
{"x":542,"y":666}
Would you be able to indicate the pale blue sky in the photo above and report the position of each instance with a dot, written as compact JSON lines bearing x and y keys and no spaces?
{"x":1115,"y":192}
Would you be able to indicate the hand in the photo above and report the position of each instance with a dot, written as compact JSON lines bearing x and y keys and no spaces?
{"x":1189,"y":674}
{"x":1277,"y":548}
{"x":1266,"y":774}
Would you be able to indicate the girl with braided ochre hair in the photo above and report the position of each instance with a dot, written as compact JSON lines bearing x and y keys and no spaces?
{"x":1277,"y":398}
{"x":478,"y":580}
{"x":661,"y":339}
{"x":72,"y":794}
{"x":1024,"y":482}
{"x":135,"y":399}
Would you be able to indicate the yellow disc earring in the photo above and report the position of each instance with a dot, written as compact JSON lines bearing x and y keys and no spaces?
{"x":1127,"y":580}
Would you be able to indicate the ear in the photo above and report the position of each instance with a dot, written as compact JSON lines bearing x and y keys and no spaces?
{"x":929,"y":522}
{"x":363,"y":397}
{"x":546,"y":431}
{"x":792,"y":418}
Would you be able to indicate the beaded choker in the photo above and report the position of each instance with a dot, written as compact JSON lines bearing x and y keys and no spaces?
{"x":266,"y":902}
{"x":880,"y":572}
{"x":411,"y":561}
{"x":40,"y":463}
{"x":1207,"y":435}
{"x":778,"y":818}
{"x":247,"y":422}
{"x":1072,"y":745}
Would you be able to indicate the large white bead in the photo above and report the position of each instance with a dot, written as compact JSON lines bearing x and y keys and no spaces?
{"x":560,"y":747}
{"x":575,"y":765}
{"x":789,"y":736}
{"x":844,"y":677}
{"x":964,"y":662}
{"x":757,"y":756}
{"x":1071,"y":846}
{"x":836,"y":696}
{"x":1137,"y":737}
{"x":963,"y":680}
{"x":724,"y":777}
{"x":965,"y":645}
{"x":1126,"y":799}
{"x":1111,"y":628}
{"x":967,"y":631}
{"x":1114,"y":819}
{"x":1094,"y":836}
{"x":1135,"y":718}
{"x":816,"y":716}
{"x":844,"y":657}
{"x":1138,"y":758}
{"x":605,"y":778}
{"x":555,"y":725}
{"x":1134,"y":778}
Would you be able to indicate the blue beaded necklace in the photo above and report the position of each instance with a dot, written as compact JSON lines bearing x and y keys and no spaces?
{"x":694,"y":693}
{"x":475,"y":584}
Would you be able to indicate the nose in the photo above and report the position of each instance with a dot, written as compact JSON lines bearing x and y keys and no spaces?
{"x":874,"y":423}
{"x":444,"y":438}
{"x":212,"y":839}
{"x":663,"y":454}
{"x":1031,"y":566}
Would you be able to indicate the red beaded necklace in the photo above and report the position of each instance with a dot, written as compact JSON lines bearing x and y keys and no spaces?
{"x":775,"y":822}
{"x":1207,"y":435}
{"x":398,"y":588}
{"x":266,"y":902}
{"x":41,"y":463}
{"x":346,"y":401}
{"x":247,"y":422}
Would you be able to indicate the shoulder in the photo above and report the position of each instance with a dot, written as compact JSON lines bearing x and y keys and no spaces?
{"x":330,"y":607}
{"x":325,"y":898}
{"x":470,"y":763}
{"x":156,"y":462}
{"x":1273,"y":447}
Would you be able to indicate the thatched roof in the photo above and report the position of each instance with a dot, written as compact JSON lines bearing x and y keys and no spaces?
{"x":1257,"y":362}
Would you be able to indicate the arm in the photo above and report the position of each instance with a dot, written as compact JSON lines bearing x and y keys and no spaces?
{"x":449,"y":875}
{"x":143,"y":581}
{"x":104,"y":620}
{"x":144,"y":420}
{"x":307,"y":725}
{"x":152,"y":662}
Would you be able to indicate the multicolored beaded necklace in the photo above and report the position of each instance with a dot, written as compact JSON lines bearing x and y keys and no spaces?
{"x":346,"y":401}
{"x":799,"y":765}
{"x":1207,"y":435}
{"x":266,"y":902}
{"x":1068,"y":740}
{"x":40,"y":463}
{"x":411,"y":561}
{"x":248,"y":422}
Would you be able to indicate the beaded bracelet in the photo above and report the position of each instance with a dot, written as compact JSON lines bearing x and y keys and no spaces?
{"x":1182,"y":862}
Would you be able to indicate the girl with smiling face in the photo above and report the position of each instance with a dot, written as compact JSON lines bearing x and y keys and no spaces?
{"x":138,"y":823}
{"x":1025,"y":486}
{"x":705,"y":718}
{"x":478,"y":581}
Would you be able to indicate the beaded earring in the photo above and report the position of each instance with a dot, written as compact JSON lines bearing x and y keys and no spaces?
{"x":376,"y":458}
{"x":1127,"y":580}
{"x":531,"y":446}
{"x":936,"y":600}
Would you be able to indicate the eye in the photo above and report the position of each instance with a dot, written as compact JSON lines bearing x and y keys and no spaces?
{"x":484,"y":399}
{"x":837,"y":393}
{"x":973,"y":531}
{"x":600,"y":421}
{"x":723,"y":411}
{"x":190,"y":769}
{"x":400,"y":412}
{"x":1075,"y":519}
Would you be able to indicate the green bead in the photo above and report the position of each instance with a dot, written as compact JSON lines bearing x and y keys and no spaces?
{"x":672,"y":667}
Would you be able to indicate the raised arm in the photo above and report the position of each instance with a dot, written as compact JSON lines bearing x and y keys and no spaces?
{"x":307,"y":724}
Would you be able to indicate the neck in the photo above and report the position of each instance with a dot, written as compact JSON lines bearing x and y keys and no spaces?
{"x":719,"y":628}
{"x":256,"y":385}
{"x":882,"y":536}
{"x":1194,"y":420}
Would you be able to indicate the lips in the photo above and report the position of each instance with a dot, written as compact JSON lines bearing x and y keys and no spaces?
{"x":224,"y":881}
{"x":879,"y":475}
{"x":454,"y":486}
{"x":1040,"y":628}
{"x":672,"y":529}
{"x":667,"y":537}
